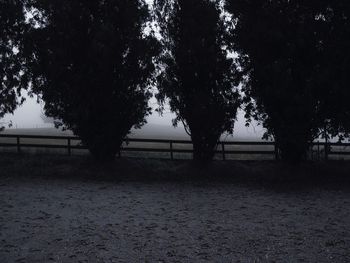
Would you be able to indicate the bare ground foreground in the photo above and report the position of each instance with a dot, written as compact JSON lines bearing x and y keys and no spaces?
{"x":70,"y":209}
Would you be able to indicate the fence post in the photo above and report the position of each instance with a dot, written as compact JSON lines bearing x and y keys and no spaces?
{"x":326,"y":151}
{"x":120,"y":151}
{"x":326,"y":143}
{"x":326,"y":147}
{"x":223,"y":151}
{"x":276,"y":152}
{"x":311,"y":150}
{"x":171,"y":151}
{"x":18,"y":144}
{"x":69,"y":149}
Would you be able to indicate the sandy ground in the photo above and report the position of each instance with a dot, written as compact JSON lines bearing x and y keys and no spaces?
{"x":60,"y":219}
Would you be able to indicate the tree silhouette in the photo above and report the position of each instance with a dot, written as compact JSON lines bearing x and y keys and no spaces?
{"x":197,"y":76}
{"x":281,"y":49}
{"x":92,"y":62}
{"x":336,"y":17}
{"x":12,"y":77}
{"x":46,"y":119}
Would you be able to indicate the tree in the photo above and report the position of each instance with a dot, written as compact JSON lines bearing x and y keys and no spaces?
{"x":91,"y":62}
{"x":336,"y":16}
{"x":12,"y":77}
{"x":46,"y":119}
{"x":282,"y":52}
{"x":197,"y":76}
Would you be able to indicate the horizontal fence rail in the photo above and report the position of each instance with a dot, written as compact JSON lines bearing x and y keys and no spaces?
{"x":220,"y":149}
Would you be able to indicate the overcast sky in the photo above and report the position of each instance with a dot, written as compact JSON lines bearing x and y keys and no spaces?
{"x":28,"y":116}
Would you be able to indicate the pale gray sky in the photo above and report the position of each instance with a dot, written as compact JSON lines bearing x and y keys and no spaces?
{"x":28,"y":116}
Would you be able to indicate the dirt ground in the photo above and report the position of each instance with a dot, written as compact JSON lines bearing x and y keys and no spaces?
{"x":56,"y":211}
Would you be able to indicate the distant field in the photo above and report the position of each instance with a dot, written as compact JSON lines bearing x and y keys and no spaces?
{"x":149,"y":131}
{"x":37,"y":131}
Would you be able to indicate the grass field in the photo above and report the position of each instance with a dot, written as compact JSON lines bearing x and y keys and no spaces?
{"x":55,"y":208}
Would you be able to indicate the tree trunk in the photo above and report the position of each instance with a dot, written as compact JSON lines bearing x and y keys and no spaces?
{"x":292,"y":152}
{"x":104,"y":152}
{"x":203,"y":150}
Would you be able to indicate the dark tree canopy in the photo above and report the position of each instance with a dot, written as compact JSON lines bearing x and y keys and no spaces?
{"x":12,"y":28}
{"x":197,"y":76}
{"x":92,"y":64}
{"x":282,"y":51}
{"x":47,"y":119}
{"x":336,"y":16}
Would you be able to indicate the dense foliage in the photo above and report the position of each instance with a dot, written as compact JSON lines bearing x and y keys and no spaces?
{"x":12,"y":80}
{"x":91,"y":61}
{"x":282,"y":49}
{"x":197,"y":76}
{"x":336,"y":16}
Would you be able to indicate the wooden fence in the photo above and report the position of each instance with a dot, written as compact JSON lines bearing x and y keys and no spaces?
{"x":17,"y":142}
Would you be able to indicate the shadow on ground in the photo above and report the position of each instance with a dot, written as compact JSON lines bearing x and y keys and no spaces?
{"x":268,"y":174}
